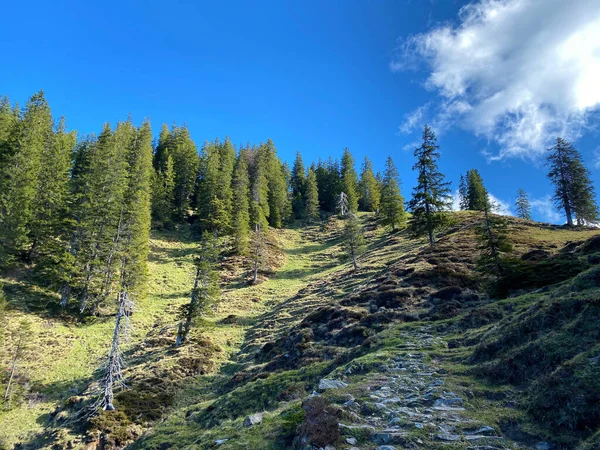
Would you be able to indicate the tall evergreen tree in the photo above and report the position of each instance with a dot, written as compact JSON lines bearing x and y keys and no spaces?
{"x":163,"y":190}
{"x":493,"y":240}
{"x":277,"y":185}
{"x":206,"y":291}
{"x":312,"y":196}
{"x":522,"y":205}
{"x":370,"y":195}
{"x":477,"y":197}
{"x":298,"y":185}
{"x":186,"y":162}
{"x":431,"y":195}
{"x":349,"y":180}
{"x":574,"y":192}
{"x":463,"y":194}
{"x":27,"y":141}
{"x":214,"y":197}
{"x":392,"y":202}
{"x":354,"y":241}
{"x":50,"y":203}
{"x":241,"y":198}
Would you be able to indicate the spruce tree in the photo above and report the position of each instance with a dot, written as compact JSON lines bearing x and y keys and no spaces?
{"x":27,"y":141}
{"x":522,"y":205}
{"x":431,"y":195}
{"x":241,"y":212}
{"x":130,"y":248}
{"x":349,"y":180}
{"x":214,"y":196}
{"x":463,"y":194}
{"x":277,"y":185}
{"x":492,"y":235}
{"x":185,"y":164}
{"x":392,"y":202}
{"x":257,"y":252}
{"x":51,"y":201}
{"x":163,"y":190}
{"x":298,"y":186}
{"x":370,"y":195}
{"x":312,"y":197}
{"x":259,"y":189}
{"x":574,"y":192}
{"x":206,"y":291}
{"x":354,"y":241}
{"x":477,"y":197}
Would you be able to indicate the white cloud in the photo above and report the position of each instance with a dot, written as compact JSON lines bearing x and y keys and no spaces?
{"x":413,"y":120}
{"x":518,"y":72}
{"x":546,"y":210}
{"x":499,"y":206}
{"x":597,"y":158}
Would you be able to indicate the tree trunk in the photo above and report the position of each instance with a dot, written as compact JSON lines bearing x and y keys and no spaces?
{"x":354,"y":260}
{"x":12,"y":370}
{"x":184,"y":327}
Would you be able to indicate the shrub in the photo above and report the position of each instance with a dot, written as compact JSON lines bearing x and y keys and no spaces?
{"x":321,"y":420}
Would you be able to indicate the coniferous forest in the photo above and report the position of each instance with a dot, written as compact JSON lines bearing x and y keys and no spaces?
{"x":77,"y":213}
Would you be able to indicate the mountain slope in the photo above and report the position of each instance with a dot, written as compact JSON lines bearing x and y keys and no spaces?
{"x":429,"y":361}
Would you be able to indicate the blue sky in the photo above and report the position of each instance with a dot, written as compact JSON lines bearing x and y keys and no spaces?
{"x":317,"y":76}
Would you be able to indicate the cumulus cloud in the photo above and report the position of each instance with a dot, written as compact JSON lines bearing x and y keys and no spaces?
{"x":498,"y":206}
{"x":517,"y":72}
{"x":544,"y":207}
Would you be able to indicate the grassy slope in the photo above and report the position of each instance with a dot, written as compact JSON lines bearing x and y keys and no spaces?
{"x":63,"y":355}
{"x":310,"y":278}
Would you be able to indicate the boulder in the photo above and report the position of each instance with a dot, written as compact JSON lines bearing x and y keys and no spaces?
{"x":325,"y":384}
{"x":253,"y":419}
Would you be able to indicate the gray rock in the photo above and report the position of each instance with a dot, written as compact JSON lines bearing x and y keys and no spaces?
{"x":452,"y":402}
{"x":448,"y":437}
{"x":386,"y":447}
{"x":351,"y":441}
{"x":253,"y":419}
{"x":486,"y":431}
{"x":329,"y":447}
{"x":220,"y":441}
{"x":325,"y":384}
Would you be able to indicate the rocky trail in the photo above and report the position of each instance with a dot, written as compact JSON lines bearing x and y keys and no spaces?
{"x":406,"y":404}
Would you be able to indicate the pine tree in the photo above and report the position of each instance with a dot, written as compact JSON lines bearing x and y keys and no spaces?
{"x":370,"y":195}
{"x":477,"y":197}
{"x":574,"y":192}
{"x":130,"y":248}
{"x":214,"y":197}
{"x":258,"y":249}
{"x":392,"y":203}
{"x":163,"y":190}
{"x":50,"y":203}
{"x":349,"y":180}
{"x":259,"y":189}
{"x":522,"y":205}
{"x":431,"y":195}
{"x":241,"y":212}
{"x":206,"y":291}
{"x":354,"y":241}
{"x":185,"y":164}
{"x":22,"y":162}
{"x":277,"y":185}
{"x":463,"y":194}
{"x":298,"y":186}
{"x":100,"y":182}
{"x":312,"y":197}
{"x":492,"y":235}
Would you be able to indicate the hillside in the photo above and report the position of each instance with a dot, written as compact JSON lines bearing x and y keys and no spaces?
{"x":416,"y":355}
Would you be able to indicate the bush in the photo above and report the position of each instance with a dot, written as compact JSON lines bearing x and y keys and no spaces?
{"x":321,"y":420}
